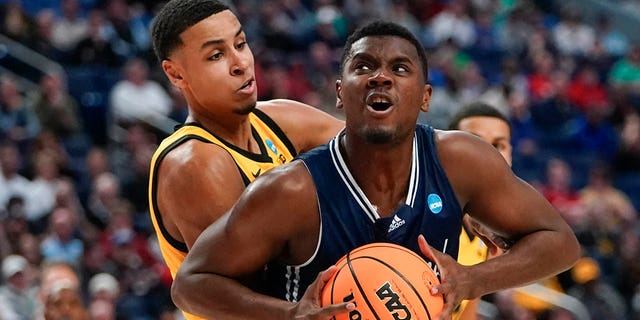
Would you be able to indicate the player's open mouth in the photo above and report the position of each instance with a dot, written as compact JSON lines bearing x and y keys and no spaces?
{"x":246,"y":84}
{"x":379,"y":102}
{"x":248,"y":87}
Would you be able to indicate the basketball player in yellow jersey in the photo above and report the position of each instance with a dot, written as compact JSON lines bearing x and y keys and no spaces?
{"x":492,"y":126}
{"x":229,"y":138}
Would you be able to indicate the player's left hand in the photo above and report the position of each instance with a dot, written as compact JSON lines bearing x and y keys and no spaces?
{"x":309,"y":307}
{"x":453,"y":279}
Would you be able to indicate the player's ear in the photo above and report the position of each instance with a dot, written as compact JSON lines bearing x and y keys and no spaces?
{"x":339,"y":94}
{"x":426,"y":97}
{"x":173,"y":72}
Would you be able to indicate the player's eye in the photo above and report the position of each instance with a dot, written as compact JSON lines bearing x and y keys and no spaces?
{"x":215,"y":56}
{"x":401,"y":68}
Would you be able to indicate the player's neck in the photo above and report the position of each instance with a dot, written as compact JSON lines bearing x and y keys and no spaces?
{"x":235,"y":130}
{"x":382,"y":173}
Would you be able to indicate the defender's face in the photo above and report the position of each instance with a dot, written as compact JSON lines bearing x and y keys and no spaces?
{"x":493,"y":130}
{"x":382,"y":88}
{"x":215,"y":67}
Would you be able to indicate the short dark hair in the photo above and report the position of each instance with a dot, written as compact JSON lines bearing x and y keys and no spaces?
{"x":477,"y":109}
{"x":384,"y":28}
{"x":174,"y":18}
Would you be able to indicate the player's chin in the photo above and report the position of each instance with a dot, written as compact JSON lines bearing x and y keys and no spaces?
{"x":247,"y":108}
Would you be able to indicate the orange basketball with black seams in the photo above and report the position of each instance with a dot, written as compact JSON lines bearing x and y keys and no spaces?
{"x":385,"y":281}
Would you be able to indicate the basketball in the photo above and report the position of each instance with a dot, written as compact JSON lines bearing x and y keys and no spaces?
{"x":385,"y":281}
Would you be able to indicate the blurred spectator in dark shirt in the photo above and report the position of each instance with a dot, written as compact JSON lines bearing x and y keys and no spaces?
{"x":627,"y":158}
{"x":96,"y":48}
{"x":16,"y":23}
{"x":12,"y":182}
{"x":18,"y":122}
{"x":56,"y":109}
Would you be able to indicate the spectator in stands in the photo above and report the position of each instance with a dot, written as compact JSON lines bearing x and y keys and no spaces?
{"x":105,"y":193}
{"x":133,"y":262}
{"x":586,"y":91}
{"x":61,"y":243}
{"x":138,"y":98}
{"x":18,"y":122}
{"x":562,"y":195}
{"x":96,"y":162}
{"x":571,"y":36}
{"x":56,"y":109}
{"x":42,"y":191}
{"x":104,"y":293}
{"x":14,"y":226}
{"x":29,"y":248}
{"x":16,"y":23}
{"x":627,"y":158}
{"x":609,"y":208}
{"x":525,"y":132}
{"x":60,"y":294}
{"x":625,"y":73}
{"x":592,"y":135}
{"x":18,"y":297}
{"x":96,"y":48}
{"x":12,"y":182}
{"x":615,"y":42}
{"x":516,"y":30}
{"x":70,"y":28}
{"x":41,"y":41}
{"x":454,"y":23}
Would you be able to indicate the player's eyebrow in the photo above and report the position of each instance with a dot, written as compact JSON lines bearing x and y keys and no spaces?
{"x":218,"y":41}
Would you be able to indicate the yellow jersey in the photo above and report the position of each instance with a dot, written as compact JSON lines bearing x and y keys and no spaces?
{"x":275,"y":149}
{"x":472,"y":250}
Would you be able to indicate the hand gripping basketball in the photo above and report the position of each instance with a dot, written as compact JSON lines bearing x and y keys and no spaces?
{"x":384,"y":281}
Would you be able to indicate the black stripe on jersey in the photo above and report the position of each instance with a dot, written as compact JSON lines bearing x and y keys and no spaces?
{"x":263,"y":156}
{"x":277,"y":130}
{"x":179,"y":245}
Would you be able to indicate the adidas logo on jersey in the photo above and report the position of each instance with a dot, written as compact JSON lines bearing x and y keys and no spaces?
{"x":397,"y":223}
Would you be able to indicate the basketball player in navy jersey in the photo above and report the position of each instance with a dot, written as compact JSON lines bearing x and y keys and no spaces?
{"x":384,"y":178}
{"x":229,"y":138}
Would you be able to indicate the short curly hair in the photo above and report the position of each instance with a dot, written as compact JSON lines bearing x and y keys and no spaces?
{"x":174,"y":18}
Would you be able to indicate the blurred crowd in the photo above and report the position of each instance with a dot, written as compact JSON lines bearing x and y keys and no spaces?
{"x":75,"y":146}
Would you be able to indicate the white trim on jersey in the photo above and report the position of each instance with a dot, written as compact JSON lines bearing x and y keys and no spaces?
{"x":350,"y":182}
{"x":354,"y":188}
{"x":415,"y":175}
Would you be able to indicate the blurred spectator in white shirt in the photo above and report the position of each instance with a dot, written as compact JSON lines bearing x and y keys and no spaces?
{"x":136,"y":97}
{"x":71,"y":28}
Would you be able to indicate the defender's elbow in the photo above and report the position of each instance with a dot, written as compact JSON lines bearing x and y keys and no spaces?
{"x":178,"y":290}
{"x":572,"y":250}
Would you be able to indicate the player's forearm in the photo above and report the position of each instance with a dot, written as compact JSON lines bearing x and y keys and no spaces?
{"x":216,"y":297}
{"x":537,"y":256}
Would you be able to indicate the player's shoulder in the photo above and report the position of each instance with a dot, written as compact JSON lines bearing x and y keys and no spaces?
{"x":284,"y":110}
{"x":458,"y":141}
{"x":194,"y":154}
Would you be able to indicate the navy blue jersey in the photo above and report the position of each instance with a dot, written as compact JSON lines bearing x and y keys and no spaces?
{"x":349,"y":220}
